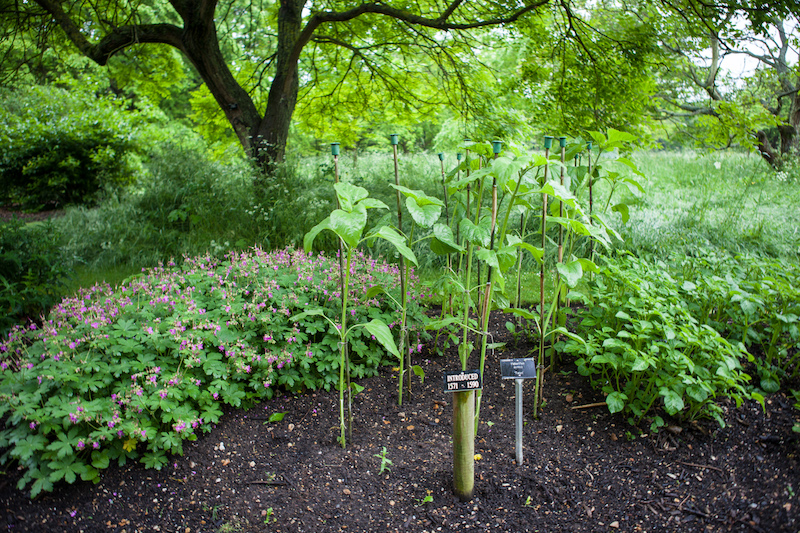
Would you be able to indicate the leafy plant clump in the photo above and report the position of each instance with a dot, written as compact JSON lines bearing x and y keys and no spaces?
{"x":61,"y":148}
{"x":645,"y":350}
{"x":32,"y":271}
{"x":130,"y":373}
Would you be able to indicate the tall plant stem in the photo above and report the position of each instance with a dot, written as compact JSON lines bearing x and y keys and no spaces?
{"x":591,"y":199}
{"x":343,"y":359}
{"x":542,"y":327}
{"x":487,"y":298}
{"x":447,"y":221}
{"x":403,"y":289}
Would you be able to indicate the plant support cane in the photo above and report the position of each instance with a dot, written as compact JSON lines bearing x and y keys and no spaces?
{"x":403,"y":289}
{"x":548,"y":143}
{"x":335,"y":153}
{"x":487,"y":295}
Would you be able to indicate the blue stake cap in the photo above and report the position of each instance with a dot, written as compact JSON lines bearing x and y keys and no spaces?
{"x":441,"y":156}
{"x":562,"y":141}
{"x":589,"y":145}
{"x":334,"y":148}
{"x":548,"y":141}
{"x":458,"y":156}
{"x":497,"y":146}
{"x":394,"y":139}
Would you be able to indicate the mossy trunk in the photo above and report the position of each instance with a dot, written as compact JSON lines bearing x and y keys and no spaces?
{"x":464,"y":444}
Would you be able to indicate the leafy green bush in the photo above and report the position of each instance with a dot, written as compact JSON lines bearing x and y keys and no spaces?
{"x":129,"y":373}
{"x":61,"y":148}
{"x":32,"y":271}
{"x":748,"y":299}
{"x":645,"y":350}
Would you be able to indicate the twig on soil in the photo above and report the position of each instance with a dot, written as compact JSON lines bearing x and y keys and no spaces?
{"x":702,"y":466}
{"x":588,"y":405}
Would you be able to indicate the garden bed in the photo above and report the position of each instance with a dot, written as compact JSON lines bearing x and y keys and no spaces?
{"x":584,"y":469}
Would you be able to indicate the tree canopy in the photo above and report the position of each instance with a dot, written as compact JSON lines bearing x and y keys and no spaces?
{"x":500,"y":67}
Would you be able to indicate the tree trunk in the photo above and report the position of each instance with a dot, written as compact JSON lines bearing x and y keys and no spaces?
{"x":273,"y":131}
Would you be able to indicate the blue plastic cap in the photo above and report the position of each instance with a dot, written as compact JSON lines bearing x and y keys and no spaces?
{"x":458,"y":156}
{"x":441,"y":156}
{"x":334,"y":148}
{"x":548,"y":141}
{"x":562,"y":141}
{"x":497,"y":146}
{"x":589,"y":145}
{"x":394,"y":139}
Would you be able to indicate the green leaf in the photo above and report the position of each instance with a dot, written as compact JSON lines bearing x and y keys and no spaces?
{"x":572,"y":272}
{"x":349,"y":225}
{"x":419,"y":372}
{"x":443,"y":241}
{"x":622,"y":209}
{"x":489,"y":257}
{"x":381,"y":331}
{"x":308,"y":239}
{"x":398,"y":241}
{"x":356,"y":388}
{"x":424,"y":215}
{"x":673,"y":403}
{"x":477,"y":235}
{"x":276,"y":417}
{"x":616,"y":401}
{"x":349,"y":194}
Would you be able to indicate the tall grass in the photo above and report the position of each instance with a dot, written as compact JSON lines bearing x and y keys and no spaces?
{"x":724,"y":201}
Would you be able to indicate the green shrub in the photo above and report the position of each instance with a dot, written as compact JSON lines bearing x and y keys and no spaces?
{"x":63,"y":148}
{"x":645,"y":350}
{"x":130,"y":373}
{"x":748,"y":299}
{"x":32,"y":271}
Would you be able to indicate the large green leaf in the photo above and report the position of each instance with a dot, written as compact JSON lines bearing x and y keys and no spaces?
{"x":477,"y":235}
{"x":308,"y":239}
{"x":443,"y":242}
{"x":516,"y":242}
{"x":398,"y":241}
{"x":571,"y":272}
{"x":489,"y":257}
{"x":423,"y":214}
{"x":673,"y":403}
{"x":349,"y":194}
{"x":381,"y":331}
{"x":419,"y":196}
{"x":349,"y":225}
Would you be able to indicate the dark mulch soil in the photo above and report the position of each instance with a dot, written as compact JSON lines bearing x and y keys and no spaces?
{"x":583,"y":469}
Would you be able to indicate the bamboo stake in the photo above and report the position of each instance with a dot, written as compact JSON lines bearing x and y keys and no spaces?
{"x":548,"y":142}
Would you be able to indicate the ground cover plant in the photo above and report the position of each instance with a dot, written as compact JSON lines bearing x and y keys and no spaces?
{"x":644,"y":349}
{"x":129,"y":373}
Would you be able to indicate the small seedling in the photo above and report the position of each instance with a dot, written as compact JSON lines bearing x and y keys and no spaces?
{"x":528,"y":502}
{"x":385,"y":461}
{"x":427,"y":499}
{"x":270,"y":516}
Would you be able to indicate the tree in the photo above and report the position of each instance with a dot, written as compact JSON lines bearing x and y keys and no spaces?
{"x":722,"y":111}
{"x":102,"y":30}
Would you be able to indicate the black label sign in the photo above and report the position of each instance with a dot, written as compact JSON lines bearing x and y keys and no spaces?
{"x":461,"y":381}
{"x":520,"y":368}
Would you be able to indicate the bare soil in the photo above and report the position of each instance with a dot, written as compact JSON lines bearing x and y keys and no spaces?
{"x":583,"y":469}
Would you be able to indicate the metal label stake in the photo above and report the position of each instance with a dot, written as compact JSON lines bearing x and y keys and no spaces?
{"x":519,"y":370}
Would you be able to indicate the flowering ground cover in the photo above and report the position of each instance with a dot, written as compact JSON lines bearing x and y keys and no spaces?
{"x":130,"y":373}
{"x":584,"y":469}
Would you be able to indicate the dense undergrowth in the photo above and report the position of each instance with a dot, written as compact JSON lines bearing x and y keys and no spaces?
{"x":129,"y":373}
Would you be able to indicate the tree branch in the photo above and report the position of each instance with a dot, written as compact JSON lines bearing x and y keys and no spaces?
{"x":117,"y":39}
{"x":439,"y":23}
